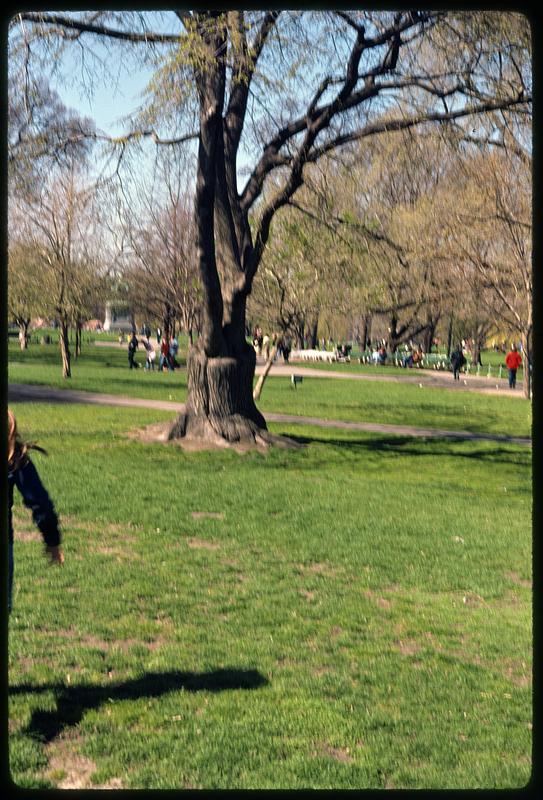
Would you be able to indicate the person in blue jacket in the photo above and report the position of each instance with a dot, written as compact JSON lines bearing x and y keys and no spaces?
{"x":23,"y":474}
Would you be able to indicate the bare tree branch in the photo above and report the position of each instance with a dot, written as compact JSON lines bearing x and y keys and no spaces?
{"x":68,"y":23}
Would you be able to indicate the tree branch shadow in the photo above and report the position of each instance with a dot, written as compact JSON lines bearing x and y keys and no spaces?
{"x":74,"y":701}
{"x":495,"y":452}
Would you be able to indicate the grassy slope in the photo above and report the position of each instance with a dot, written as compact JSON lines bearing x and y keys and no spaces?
{"x":357,"y":615}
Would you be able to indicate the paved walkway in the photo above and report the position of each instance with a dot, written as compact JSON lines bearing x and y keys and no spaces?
{"x":22,"y":392}
{"x":428,"y":377}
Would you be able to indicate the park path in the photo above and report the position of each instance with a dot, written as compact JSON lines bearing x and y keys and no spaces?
{"x":22,"y":392}
{"x":436,"y":378}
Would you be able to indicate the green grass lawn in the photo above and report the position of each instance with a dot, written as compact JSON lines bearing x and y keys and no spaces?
{"x":353,"y":614}
{"x":106,"y":370}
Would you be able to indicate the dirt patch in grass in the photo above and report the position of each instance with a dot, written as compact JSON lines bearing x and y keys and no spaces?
{"x":338,"y":753}
{"x":194,"y":542}
{"x":517,"y":672}
{"x":515,"y":577}
{"x":114,"y":530}
{"x":382,"y":602}
{"x":117,"y":552}
{"x":318,"y":568}
{"x":26,"y":534}
{"x":67,"y":768}
{"x":207,"y":514}
{"x":95,"y":642}
{"x":408,"y":647}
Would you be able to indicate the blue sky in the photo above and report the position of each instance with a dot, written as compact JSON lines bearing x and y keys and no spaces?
{"x":108,"y":104}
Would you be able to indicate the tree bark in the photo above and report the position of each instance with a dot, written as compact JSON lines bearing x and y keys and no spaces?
{"x":220,"y":405}
{"x":366,"y":332}
{"x":77,"y":351}
{"x":526,"y":362}
{"x":23,"y":333}
{"x":429,"y":334}
{"x":450,"y":335}
{"x":313,"y":329}
{"x":64,"y":342}
{"x":269,"y":363}
{"x":394,"y":335}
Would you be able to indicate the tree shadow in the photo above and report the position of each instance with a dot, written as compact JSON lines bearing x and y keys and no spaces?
{"x":74,"y":701}
{"x":429,"y":447}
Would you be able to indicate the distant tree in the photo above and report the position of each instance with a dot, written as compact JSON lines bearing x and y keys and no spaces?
{"x":25,"y":298}
{"x":490,"y":228}
{"x":159,"y":240}
{"x":57,"y":223}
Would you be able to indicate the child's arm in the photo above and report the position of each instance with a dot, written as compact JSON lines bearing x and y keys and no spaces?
{"x":36,"y":498}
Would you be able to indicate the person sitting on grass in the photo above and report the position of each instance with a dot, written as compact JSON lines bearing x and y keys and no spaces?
{"x":23,"y":474}
{"x":417,"y":358}
{"x":408,"y":360}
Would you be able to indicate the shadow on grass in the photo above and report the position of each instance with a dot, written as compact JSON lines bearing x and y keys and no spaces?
{"x":74,"y":701}
{"x":409,"y":446}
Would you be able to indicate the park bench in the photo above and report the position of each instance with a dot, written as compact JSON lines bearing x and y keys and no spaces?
{"x":313,"y":355}
{"x":437,"y":361}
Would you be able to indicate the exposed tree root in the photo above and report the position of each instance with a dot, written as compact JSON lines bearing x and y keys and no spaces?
{"x":193,"y":434}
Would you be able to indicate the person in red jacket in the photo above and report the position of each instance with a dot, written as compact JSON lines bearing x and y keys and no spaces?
{"x":165,"y":356}
{"x":513,"y":360}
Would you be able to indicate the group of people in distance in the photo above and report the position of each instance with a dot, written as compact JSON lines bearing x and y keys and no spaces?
{"x":513,"y":360}
{"x":168,"y":351}
{"x":264,"y":345}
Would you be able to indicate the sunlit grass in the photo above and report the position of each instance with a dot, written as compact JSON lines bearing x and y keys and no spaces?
{"x":353,"y":614}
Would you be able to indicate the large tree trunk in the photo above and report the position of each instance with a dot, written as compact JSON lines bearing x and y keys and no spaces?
{"x":220,"y":405}
{"x":220,"y":409}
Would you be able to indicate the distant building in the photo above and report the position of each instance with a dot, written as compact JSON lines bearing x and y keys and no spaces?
{"x":118,"y":318}
{"x":92,"y":325}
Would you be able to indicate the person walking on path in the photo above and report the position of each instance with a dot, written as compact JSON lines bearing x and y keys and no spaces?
{"x":151,"y":354}
{"x":165,"y":356}
{"x":286,"y":347}
{"x":132,"y":347}
{"x":23,"y":474}
{"x":174,"y":348}
{"x":513,"y":361}
{"x":457,"y":362}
